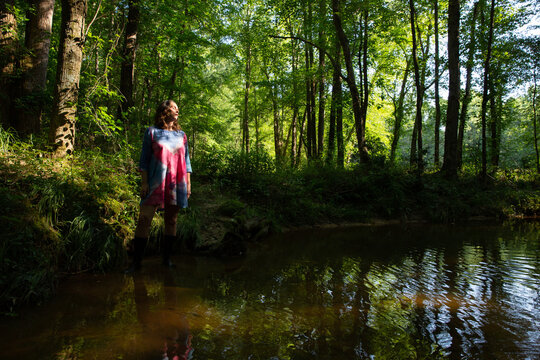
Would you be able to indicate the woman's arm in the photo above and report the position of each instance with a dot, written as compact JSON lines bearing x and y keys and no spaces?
{"x":145,"y":188}
{"x":188,"y":181}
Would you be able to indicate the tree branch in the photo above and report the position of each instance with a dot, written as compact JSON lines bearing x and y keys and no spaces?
{"x":330,"y":57}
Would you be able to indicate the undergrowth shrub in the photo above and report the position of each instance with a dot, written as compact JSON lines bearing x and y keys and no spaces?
{"x":61,"y":216}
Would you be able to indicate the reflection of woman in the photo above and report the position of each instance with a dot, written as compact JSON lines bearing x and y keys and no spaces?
{"x":166,"y":184}
{"x":165,"y":329}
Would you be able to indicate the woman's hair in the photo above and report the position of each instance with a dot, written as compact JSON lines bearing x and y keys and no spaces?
{"x":164,"y":112}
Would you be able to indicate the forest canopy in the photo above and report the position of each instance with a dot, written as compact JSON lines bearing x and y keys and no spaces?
{"x":438,"y":84}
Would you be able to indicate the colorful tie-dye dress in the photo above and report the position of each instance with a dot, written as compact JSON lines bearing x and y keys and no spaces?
{"x":165,"y":157}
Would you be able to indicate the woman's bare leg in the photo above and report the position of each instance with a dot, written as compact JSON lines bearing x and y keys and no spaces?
{"x":146,"y":214}
{"x":171,"y":218}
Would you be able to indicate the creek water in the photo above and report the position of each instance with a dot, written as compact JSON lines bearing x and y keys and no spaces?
{"x":372,"y":292}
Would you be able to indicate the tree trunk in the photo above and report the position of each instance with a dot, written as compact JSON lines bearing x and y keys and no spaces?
{"x":275,"y":113}
{"x":309,"y":106}
{"x":174,"y":74}
{"x":62,"y":130}
{"x":335,"y":105}
{"x":322,"y":100}
{"x":436,"y":155}
{"x":485,"y":94}
{"x":494,"y":127}
{"x":467,"y":95}
{"x":364,"y":85}
{"x":399,"y":112}
{"x":128,"y":61}
{"x":452,"y":113}
{"x":8,"y":63}
{"x":245,"y":118}
{"x":256,"y":121}
{"x":294,"y":120}
{"x":351,"y":83}
{"x":535,"y":124}
{"x":301,"y":138}
{"x":34,"y":67}
{"x":416,"y":158}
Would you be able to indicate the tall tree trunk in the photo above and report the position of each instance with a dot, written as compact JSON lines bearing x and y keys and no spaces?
{"x":364,"y":85}
{"x":535,"y":123}
{"x":34,"y":67}
{"x":335,"y":104}
{"x":485,"y":94}
{"x":322,"y":103}
{"x":494,"y":122}
{"x":309,"y":106}
{"x":275,"y":113}
{"x":339,"y":125}
{"x":351,"y":83}
{"x":301,"y":138}
{"x":311,"y":134}
{"x":128,"y":61}
{"x":452,"y":113}
{"x":416,"y":143}
{"x":399,"y":112}
{"x":8,"y":57}
{"x":294,"y":120}
{"x":245,"y":118}
{"x":256,"y":121}
{"x":436,"y":155}
{"x":467,"y":95}
{"x":174,"y":74}
{"x":66,"y":94}
{"x":322,"y":95}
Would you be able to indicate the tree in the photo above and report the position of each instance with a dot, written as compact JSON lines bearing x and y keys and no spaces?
{"x":322,"y":89}
{"x":399,"y":109}
{"x":128,"y":58}
{"x":485,"y":94}
{"x":335,"y":131}
{"x":359,"y":119}
{"x":8,"y":58}
{"x":66,"y":92}
{"x":416,"y":142}
{"x":452,"y":113}
{"x":34,"y":67}
{"x":468,"y":82}
{"x":533,"y":46}
{"x":437,"y":100}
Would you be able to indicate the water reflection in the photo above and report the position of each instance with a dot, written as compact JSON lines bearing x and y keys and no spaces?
{"x":416,"y":292}
{"x":165,"y":329}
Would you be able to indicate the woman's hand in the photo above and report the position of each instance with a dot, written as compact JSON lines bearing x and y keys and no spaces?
{"x":188,"y":190}
{"x":144,"y":190}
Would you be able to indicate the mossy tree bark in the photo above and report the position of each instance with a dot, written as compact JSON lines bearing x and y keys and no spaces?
{"x":66,"y":93}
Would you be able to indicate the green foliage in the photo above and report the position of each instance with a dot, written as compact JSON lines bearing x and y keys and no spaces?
{"x":7,"y":138}
{"x":61,"y":217}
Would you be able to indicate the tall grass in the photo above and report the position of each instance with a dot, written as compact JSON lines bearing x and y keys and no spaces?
{"x":60,"y":217}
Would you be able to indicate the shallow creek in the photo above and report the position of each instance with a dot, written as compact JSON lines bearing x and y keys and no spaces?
{"x":467,"y":291}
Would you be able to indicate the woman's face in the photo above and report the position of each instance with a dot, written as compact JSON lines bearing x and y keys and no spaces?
{"x":174,"y":111}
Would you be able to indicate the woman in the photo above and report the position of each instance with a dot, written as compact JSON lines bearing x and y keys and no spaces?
{"x":166,"y":170}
